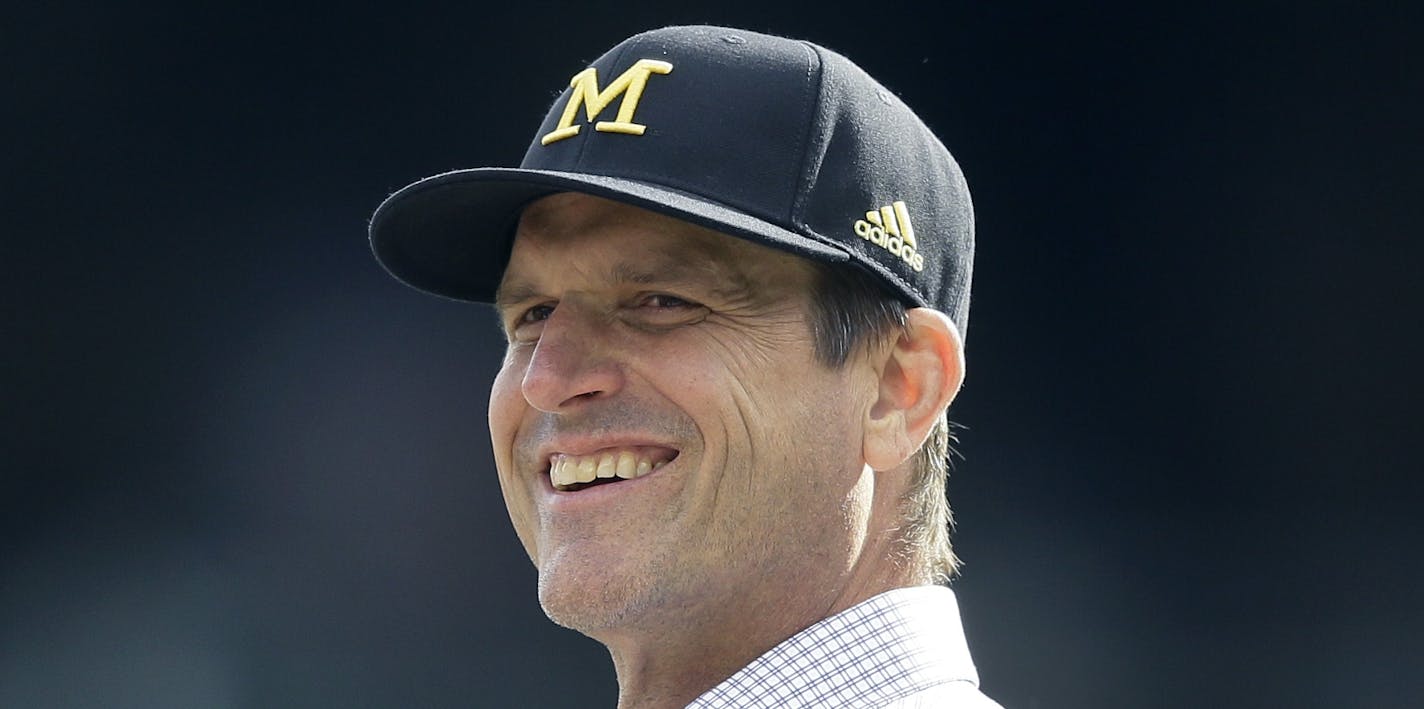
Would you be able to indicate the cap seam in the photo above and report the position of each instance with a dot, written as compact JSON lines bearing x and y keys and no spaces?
{"x":815,"y":77}
{"x":584,"y":141}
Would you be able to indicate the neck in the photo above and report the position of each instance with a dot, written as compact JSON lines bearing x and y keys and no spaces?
{"x":659,"y":667}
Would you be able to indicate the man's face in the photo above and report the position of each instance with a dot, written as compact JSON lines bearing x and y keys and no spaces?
{"x":680,"y":362}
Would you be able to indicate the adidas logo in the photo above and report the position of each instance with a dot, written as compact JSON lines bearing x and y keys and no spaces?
{"x":890,"y":229}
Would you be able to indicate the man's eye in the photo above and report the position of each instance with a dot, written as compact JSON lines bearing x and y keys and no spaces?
{"x":660,"y":310}
{"x":663,"y":300}
{"x":537,"y":313}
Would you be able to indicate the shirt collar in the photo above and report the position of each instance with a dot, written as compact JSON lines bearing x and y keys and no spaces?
{"x":888,"y":646}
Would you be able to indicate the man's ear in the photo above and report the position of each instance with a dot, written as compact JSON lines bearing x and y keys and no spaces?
{"x":920,"y":376}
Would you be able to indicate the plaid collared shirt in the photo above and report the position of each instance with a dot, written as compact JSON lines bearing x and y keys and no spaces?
{"x":903,"y":649}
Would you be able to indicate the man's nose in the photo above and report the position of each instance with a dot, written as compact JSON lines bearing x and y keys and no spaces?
{"x":572,"y":364}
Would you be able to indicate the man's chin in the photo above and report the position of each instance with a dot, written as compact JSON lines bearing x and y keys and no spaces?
{"x":595,"y":603}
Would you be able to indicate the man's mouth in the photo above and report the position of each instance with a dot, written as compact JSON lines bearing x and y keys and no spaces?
{"x":568,"y":473}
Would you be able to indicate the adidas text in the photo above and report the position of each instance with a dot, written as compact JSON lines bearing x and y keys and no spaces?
{"x":890,"y":229}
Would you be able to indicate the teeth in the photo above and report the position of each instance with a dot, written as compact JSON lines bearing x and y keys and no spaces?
{"x":566,"y":471}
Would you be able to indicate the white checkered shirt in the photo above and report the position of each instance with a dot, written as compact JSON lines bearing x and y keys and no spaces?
{"x":904,"y":649}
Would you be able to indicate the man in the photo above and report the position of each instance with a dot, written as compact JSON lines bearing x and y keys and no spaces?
{"x":733,"y":272}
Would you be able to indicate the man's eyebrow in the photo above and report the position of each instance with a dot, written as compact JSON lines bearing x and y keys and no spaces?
{"x":704,"y":264}
{"x":519,"y":291}
{"x":660,"y":271}
{"x":514,"y":292}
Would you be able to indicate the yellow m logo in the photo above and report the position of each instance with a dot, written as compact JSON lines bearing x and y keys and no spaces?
{"x":585,"y":92}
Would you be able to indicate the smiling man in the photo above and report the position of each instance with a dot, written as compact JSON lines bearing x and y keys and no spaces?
{"x":733,"y":272}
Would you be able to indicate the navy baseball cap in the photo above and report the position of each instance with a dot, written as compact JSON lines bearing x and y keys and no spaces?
{"x":774,"y":140}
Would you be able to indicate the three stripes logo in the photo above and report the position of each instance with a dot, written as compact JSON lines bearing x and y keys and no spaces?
{"x":889,"y":228}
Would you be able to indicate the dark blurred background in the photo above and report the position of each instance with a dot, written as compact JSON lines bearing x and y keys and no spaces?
{"x":243,"y":467}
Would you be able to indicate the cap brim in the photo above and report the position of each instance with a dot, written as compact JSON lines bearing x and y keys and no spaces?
{"x":451,"y":234}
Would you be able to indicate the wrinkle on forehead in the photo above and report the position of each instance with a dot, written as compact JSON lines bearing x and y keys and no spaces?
{"x":669,"y":250}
